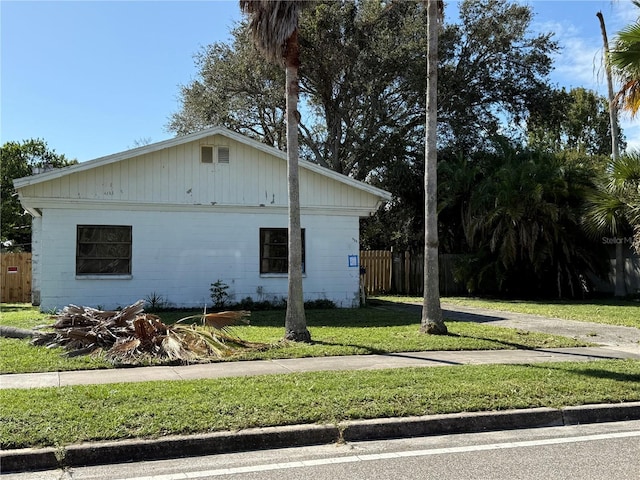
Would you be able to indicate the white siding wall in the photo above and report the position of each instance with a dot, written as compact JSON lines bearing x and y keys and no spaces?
{"x":178,"y":255}
{"x":176,"y":176}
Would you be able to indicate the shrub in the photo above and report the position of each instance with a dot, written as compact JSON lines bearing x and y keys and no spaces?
{"x":319,"y":304}
{"x":155,"y":302}
{"x":219,"y":294}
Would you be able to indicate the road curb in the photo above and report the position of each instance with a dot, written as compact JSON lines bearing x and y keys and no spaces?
{"x":601,"y":413}
{"x":100,"y":453}
{"x":386,"y":428}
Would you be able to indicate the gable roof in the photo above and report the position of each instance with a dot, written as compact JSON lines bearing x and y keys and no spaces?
{"x":154,"y":147}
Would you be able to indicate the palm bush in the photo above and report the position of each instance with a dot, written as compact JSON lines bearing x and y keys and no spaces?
{"x":613,"y":209}
{"x":520,"y":214}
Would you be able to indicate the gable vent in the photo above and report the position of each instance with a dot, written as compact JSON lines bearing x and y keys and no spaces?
{"x":223,"y":154}
{"x":206,"y":154}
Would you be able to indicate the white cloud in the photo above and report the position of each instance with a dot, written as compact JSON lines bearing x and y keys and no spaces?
{"x":579,"y":60}
{"x":580,"y":64}
{"x":625,"y":12}
{"x":631,"y":130}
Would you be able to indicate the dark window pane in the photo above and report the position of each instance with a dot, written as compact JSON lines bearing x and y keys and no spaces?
{"x":274,"y":250}
{"x":207,"y":154}
{"x":103,"y":249}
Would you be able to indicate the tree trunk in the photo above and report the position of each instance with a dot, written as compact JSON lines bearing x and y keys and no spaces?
{"x":14,"y":332}
{"x":620,"y":285}
{"x":432,"y":321}
{"x":613,"y":111}
{"x":295,"y":322}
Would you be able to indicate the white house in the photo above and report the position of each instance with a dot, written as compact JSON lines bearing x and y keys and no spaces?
{"x":173,"y":217}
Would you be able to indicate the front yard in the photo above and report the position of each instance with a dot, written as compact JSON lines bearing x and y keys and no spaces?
{"x":334,"y":332}
{"x":66,"y":415}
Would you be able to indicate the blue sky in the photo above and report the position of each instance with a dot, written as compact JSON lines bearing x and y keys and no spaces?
{"x":94,"y":77}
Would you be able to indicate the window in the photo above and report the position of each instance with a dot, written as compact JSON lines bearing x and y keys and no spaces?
{"x":206,"y":154}
{"x":103,"y":250}
{"x":274,"y":250}
{"x":223,"y":154}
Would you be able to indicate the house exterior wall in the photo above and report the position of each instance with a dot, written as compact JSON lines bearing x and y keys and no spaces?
{"x":179,"y":253}
{"x":193,"y":223}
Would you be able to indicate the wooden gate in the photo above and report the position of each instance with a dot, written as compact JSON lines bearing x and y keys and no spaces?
{"x":403,"y":273}
{"x":16,"y":277}
{"x":377,"y":265}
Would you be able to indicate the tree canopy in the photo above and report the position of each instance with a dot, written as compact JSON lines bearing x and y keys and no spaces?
{"x":363,"y":86}
{"x":21,"y":159}
{"x":575,"y":121}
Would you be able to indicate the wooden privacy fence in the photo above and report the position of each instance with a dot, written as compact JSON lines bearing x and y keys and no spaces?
{"x":402,"y":273}
{"x":16,"y":277}
{"x":377,"y":267}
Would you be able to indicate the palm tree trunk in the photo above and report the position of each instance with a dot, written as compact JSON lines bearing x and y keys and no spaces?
{"x":432,"y":321}
{"x":613,"y":111}
{"x":295,"y":322}
{"x":620,"y":287}
{"x":620,"y":282}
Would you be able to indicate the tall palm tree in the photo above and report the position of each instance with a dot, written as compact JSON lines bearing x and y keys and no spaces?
{"x":432,"y":321}
{"x":274,"y":28}
{"x":625,"y":61}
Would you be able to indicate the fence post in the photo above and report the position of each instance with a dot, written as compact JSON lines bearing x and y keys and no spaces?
{"x":396,"y":272}
{"x":406,"y":290}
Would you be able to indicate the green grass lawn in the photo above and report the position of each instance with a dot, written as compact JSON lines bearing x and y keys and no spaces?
{"x":608,"y":311}
{"x":334,"y":332}
{"x":66,"y":415}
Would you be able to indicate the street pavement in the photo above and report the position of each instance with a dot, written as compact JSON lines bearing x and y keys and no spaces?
{"x":603,"y":451}
{"x":614,"y":342}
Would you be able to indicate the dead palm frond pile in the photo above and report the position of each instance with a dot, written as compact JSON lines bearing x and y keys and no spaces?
{"x":132,"y":336}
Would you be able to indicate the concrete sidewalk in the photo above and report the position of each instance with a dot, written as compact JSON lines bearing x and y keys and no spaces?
{"x":315,"y":364}
{"x":618,"y":337}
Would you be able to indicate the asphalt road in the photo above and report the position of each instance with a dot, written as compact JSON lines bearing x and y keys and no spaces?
{"x":585,"y":452}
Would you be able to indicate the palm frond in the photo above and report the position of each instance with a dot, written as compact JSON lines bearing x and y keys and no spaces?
{"x":625,"y":62}
{"x":271,"y":24}
{"x":221,"y":320}
{"x":131,"y":336}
